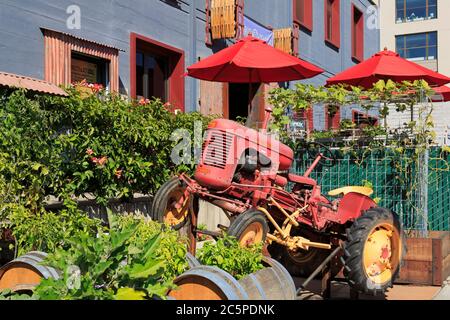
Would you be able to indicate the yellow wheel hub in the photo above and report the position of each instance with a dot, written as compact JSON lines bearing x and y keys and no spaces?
{"x":381,"y":253}
{"x":252,"y":234}
{"x":176,"y":214}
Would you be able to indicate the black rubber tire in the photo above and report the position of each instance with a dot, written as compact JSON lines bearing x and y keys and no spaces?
{"x":160,"y":203}
{"x":307,"y":261}
{"x":242,"y":221}
{"x":357,"y":236}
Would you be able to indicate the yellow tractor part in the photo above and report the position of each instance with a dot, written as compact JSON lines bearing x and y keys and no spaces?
{"x":356,"y":189}
{"x":381,"y":253}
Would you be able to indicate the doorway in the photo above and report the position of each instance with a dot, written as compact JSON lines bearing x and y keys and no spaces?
{"x":238,"y":96}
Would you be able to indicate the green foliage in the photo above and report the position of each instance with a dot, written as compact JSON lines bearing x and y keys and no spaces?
{"x":383,"y":94}
{"x":43,"y":230}
{"x":172,"y":248}
{"x":228,"y":255}
{"x":100,"y":144}
{"x":113,"y":265}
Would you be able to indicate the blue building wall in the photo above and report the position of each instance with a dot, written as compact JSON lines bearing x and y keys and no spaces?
{"x":173,"y":22}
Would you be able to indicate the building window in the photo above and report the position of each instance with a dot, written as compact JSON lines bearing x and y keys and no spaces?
{"x":363,"y":120}
{"x":69,"y":59}
{"x":156,"y":71}
{"x":415,"y":10}
{"x":303,"y":13}
{"x":90,"y":69}
{"x":418,"y":46}
{"x":357,"y":34}
{"x":333,"y":22}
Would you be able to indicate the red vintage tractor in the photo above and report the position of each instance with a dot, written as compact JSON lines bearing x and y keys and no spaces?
{"x":245,"y":172}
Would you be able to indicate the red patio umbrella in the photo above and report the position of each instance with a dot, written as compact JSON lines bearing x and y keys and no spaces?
{"x":442,"y":94}
{"x":387,"y":65}
{"x":252,"y":60}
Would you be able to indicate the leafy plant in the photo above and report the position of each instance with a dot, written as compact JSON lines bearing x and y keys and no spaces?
{"x":109,"y":266}
{"x":172,"y":248}
{"x":230,"y":256}
{"x":98,"y":143}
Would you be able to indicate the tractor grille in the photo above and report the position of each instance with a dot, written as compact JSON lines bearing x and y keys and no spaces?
{"x":217,"y":150}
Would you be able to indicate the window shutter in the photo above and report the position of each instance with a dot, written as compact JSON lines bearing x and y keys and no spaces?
{"x":336,"y":23}
{"x":308,"y":16}
{"x":240,"y":19}
{"x":295,"y":39}
{"x":208,"y":37}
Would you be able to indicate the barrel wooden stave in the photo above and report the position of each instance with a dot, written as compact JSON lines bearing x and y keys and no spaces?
{"x":26,"y":272}
{"x":207,"y":283}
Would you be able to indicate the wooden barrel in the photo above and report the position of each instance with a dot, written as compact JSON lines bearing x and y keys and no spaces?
{"x":25,"y":272}
{"x":207,"y":283}
{"x":271,"y":283}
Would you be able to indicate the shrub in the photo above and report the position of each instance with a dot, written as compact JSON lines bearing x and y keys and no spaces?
{"x":228,"y":255}
{"x":100,"y":144}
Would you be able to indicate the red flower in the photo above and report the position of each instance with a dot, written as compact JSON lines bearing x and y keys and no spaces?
{"x":90,"y":151}
{"x":144,"y":102}
{"x":102,"y":160}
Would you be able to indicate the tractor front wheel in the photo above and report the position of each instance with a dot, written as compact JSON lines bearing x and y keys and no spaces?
{"x":249,"y":228}
{"x":373,"y":251}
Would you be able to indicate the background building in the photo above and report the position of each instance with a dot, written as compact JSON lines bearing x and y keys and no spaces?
{"x":418,"y":30}
{"x":141,"y":48}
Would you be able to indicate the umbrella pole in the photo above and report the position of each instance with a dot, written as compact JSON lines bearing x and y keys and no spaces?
{"x":249,"y":92}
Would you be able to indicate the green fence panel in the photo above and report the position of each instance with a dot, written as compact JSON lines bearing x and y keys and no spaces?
{"x":395,"y":182}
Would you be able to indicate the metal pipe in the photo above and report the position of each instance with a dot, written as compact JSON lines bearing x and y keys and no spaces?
{"x":291,"y":219}
{"x":313,"y":166}
{"x":228,"y":206}
{"x":275,"y":224}
{"x":318,"y":269}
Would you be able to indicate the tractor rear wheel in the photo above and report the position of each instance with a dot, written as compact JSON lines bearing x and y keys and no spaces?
{"x":249,"y":228}
{"x":164,"y":205}
{"x":373,"y":251}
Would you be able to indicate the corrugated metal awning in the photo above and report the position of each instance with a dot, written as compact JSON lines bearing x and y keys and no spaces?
{"x":82,"y":39}
{"x":18,"y":81}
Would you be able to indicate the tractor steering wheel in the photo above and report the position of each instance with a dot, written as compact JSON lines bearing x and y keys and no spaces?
{"x":314,"y":149}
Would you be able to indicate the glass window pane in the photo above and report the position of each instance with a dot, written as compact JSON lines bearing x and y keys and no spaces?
{"x":416,"y":40}
{"x":400,"y":42}
{"x":432,"y":53}
{"x":432,"y":38}
{"x":416,"y":53}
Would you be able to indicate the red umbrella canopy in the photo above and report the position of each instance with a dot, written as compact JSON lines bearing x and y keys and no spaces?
{"x":387,"y":65}
{"x":252,"y":60}
{"x":443,"y":91}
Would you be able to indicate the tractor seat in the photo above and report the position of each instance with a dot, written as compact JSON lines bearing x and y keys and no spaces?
{"x":301,"y":180}
{"x":344,"y":190}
